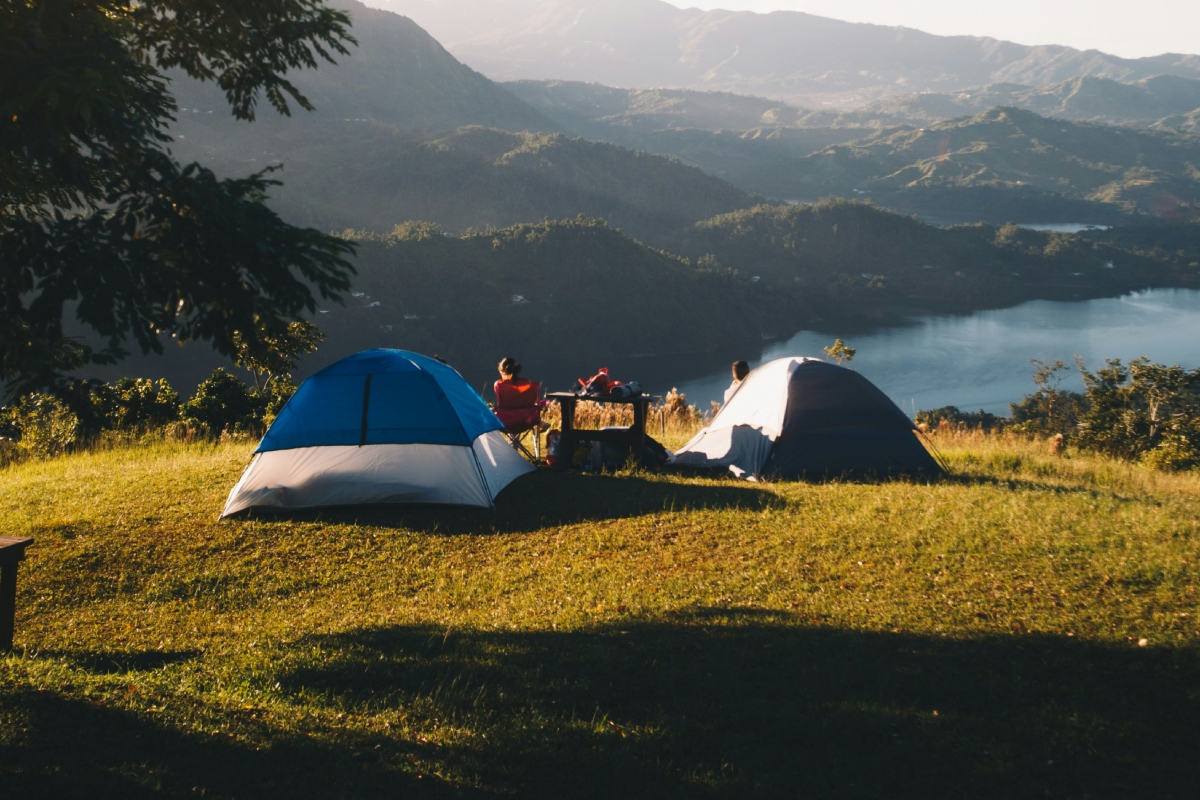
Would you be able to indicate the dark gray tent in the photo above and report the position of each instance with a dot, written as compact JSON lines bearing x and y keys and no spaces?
{"x":803,"y":416}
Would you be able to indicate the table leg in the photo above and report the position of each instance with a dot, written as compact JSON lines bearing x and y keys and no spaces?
{"x":8,"y":604}
{"x":566,"y":442}
{"x":639,"y":424}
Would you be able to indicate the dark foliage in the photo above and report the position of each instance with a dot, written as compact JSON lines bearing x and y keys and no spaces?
{"x":954,"y":416}
{"x":132,"y":405}
{"x":222,"y":402}
{"x":575,"y":288}
{"x":1143,"y":410}
{"x":98,"y":220}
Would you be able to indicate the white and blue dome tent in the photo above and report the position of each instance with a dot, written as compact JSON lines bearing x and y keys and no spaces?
{"x":380,"y":426}
{"x":796,"y":417}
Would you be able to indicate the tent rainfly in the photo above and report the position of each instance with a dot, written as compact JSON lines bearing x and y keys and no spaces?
{"x":802,"y":416}
{"x":381,"y":426}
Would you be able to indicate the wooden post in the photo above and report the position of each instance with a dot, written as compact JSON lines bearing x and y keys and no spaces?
{"x":12,"y":552}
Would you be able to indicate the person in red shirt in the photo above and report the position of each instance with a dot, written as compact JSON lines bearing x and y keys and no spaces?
{"x":517,"y":401}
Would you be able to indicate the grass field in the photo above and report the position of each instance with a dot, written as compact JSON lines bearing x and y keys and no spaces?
{"x":1025,"y":627}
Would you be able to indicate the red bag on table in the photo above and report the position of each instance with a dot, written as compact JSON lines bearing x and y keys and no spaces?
{"x":599,"y":383}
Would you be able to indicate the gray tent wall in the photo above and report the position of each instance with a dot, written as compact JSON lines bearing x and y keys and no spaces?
{"x":837,"y":421}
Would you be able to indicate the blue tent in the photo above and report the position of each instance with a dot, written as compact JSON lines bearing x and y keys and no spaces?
{"x":380,"y":426}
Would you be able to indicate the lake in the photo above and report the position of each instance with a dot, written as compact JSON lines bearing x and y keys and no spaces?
{"x":1067,"y":227}
{"x":973,"y":361}
{"x":981,"y":360}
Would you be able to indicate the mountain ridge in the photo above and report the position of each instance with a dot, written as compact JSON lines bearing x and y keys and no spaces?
{"x":789,"y":55}
{"x":375,"y":82}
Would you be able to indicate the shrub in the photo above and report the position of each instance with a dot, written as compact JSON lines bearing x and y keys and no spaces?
{"x":222,"y":402}
{"x":1049,"y":410}
{"x":1143,"y":411}
{"x":274,"y":398}
{"x":39,"y":426}
{"x":1173,"y":453}
{"x":133,"y":404}
{"x":971,"y":419}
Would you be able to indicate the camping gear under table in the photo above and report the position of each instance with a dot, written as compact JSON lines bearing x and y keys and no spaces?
{"x":12,"y":552}
{"x":634,"y":436}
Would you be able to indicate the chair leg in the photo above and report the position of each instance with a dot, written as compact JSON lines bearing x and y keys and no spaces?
{"x":525,"y":452}
{"x":537,"y":446}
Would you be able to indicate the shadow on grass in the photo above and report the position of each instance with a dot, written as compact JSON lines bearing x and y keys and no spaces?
{"x":548,"y":498}
{"x":103,"y":662}
{"x":736,"y":703}
{"x":715,"y":702}
{"x":65,"y":748}
{"x":1027,"y":484}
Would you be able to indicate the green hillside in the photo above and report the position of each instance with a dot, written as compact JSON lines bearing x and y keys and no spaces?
{"x":1186,"y":123}
{"x":579,"y":291}
{"x":359,"y":174}
{"x":848,"y":259}
{"x":1000,"y":164}
{"x":575,"y":289}
{"x":1133,"y":169}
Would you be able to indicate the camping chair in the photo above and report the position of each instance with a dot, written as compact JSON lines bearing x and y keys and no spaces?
{"x":520,"y":409}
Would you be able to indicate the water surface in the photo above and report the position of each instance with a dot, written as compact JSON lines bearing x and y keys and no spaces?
{"x":982,"y":360}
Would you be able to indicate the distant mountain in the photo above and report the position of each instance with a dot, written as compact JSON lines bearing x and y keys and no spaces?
{"x":581,"y":105}
{"x":404,"y":131}
{"x":1081,"y":98}
{"x":398,"y":75}
{"x":1008,"y":149}
{"x":1185,"y":123}
{"x":365,"y":175}
{"x":594,"y":109}
{"x":802,"y":58}
{"x":996,"y":166}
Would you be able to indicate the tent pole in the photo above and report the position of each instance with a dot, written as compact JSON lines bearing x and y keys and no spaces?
{"x":937,"y":453}
{"x":482,"y":479}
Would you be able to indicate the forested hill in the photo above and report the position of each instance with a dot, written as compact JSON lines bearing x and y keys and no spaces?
{"x":398,"y":75}
{"x":579,"y":292}
{"x":364,"y":175}
{"x":846,"y":258}
{"x":575,"y":289}
{"x":1007,"y":149}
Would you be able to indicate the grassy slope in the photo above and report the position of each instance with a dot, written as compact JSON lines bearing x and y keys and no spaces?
{"x":605,"y":636}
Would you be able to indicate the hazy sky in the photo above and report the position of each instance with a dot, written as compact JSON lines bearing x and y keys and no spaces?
{"x":1129,"y":28}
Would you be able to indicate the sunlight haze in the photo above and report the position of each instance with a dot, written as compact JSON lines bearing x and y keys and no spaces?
{"x":1131,"y":30}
